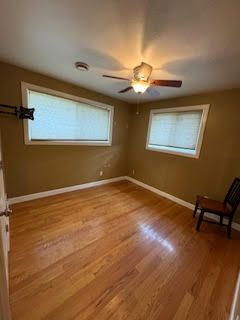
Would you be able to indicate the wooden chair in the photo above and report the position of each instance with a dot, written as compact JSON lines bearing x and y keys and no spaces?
{"x":225,"y":209}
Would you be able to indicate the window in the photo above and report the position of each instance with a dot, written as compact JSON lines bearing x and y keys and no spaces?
{"x":60,"y":118}
{"x":177,"y":130}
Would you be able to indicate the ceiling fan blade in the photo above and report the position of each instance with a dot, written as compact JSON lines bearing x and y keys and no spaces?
{"x":167,"y":83}
{"x":153,"y":92}
{"x":125,"y":90}
{"x":113,"y":77}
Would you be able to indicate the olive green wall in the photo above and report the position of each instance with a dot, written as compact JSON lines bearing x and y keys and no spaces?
{"x":32,"y":168}
{"x":184,"y":177}
{"x":29,"y":168}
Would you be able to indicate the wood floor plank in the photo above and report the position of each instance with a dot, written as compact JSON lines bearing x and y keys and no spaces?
{"x":118,"y":252}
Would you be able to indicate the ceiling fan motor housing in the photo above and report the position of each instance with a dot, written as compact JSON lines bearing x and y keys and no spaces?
{"x":142,"y":72}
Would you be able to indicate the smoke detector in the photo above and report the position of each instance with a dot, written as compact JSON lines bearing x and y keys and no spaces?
{"x":81,"y":66}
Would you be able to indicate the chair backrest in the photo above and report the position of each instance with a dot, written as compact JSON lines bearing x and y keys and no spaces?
{"x":233,"y":196}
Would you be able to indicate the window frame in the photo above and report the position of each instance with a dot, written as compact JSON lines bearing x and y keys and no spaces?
{"x":25,"y":87}
{"x":170,"y":150}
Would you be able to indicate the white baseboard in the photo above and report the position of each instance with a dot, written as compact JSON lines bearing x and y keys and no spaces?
{"x":184,"y":203}
{"x":161,"y":193}
{"x":53,"y":192}
{"x":106,"y":181}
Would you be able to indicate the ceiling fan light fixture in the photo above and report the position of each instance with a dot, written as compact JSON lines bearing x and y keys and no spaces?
{"x":140,"y":86}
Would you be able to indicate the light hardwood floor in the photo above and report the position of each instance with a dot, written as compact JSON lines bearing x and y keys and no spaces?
{"x":118,"y":252}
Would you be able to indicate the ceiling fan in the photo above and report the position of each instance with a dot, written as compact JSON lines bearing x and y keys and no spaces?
{"x":141,"y":82}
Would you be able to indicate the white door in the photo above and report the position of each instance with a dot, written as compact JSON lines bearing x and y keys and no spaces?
{"x":4,"y":218}
{"x":4,"y":247}
{"x":235,"y":312}
{"x":4,"y":295}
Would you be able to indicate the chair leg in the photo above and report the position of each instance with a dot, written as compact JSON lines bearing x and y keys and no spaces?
{"x":221,"y":220}
{"x":200,"y":219}
{"x":229,"y":228}
{"x":195,"y":209}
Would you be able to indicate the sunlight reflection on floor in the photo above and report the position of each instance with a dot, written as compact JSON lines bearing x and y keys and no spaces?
{"x":154,"y":235}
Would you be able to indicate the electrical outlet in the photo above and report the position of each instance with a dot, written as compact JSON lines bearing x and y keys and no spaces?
{"x":101,"y":173}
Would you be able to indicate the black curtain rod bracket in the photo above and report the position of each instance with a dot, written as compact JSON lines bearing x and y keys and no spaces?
{"x":20,"y":112}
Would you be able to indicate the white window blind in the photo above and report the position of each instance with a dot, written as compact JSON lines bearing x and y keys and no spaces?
{"x":60,"y":119}
{"x":176,"y":129}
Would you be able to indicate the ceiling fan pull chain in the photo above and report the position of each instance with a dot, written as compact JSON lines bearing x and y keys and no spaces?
{"x":137,"y":111}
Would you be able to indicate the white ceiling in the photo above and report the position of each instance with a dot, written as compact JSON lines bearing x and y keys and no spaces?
{"x":196,"y":41}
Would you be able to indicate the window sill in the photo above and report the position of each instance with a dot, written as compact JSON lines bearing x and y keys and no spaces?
{"x":175,"y":151}
{"x":70,"y":143}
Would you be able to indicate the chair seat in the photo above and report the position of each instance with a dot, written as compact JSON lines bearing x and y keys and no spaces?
{"x":212,"y":205}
